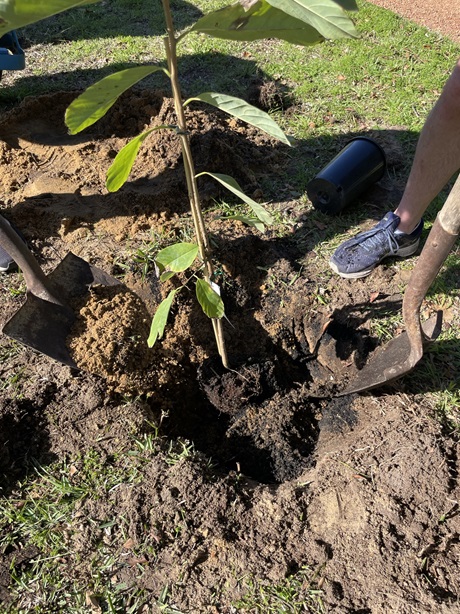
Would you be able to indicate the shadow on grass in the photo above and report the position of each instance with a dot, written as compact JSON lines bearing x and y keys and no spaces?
{"x":217,"y":72}
{"x":131,"y":18}
{"x":23,"y":439}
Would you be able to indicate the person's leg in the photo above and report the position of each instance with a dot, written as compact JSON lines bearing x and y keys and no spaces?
{"x":437,"y":156}
{"x":436,"y":159}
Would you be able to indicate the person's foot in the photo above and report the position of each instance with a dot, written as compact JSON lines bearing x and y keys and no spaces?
{"x":7,"y":264}
{"x":358,"y":256}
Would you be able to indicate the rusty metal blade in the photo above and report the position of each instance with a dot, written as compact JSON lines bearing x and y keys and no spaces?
{"x":391,"y":361}
{"x":44,"y":325}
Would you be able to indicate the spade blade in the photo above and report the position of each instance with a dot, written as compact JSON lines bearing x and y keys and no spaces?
{"x":44,"y":325}
{"x":391,"y":361}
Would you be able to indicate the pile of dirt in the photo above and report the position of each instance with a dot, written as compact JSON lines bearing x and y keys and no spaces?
{"x":110,"y":338}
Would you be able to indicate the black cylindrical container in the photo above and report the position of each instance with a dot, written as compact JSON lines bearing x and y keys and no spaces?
{"x":360,"y":164}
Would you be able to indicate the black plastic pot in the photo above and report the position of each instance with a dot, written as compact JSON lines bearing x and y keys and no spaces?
{"x":360,"y":164}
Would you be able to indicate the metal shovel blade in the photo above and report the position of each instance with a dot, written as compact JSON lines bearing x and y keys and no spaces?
{"x":393,"y":360}
{"x":44,"y":325}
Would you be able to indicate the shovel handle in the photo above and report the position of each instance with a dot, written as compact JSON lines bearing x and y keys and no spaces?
{"x":36,"y":281}
{"x":440,"y":241}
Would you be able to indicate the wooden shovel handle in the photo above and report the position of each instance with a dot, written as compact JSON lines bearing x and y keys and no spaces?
{"x":440,"y":241}
{"x":35,"y":279}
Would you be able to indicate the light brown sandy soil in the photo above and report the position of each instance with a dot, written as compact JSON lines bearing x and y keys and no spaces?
{"x":442,"y":16}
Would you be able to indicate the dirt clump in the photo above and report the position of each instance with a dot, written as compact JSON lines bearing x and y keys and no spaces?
{"x":109,"y":337}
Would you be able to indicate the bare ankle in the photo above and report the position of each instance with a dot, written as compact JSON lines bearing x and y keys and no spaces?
{"x":406,"y":224}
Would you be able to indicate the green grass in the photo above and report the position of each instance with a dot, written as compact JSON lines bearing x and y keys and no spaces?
{"x":298,"y":593}
{"x":389,"y":77}
{"x":12,"y":379}
{"x":44,"y":515}
{"x":74,"y":555}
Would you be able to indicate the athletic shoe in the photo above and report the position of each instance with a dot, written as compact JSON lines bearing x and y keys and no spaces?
{"x":7,"y":264}
{"x":358,"y":257}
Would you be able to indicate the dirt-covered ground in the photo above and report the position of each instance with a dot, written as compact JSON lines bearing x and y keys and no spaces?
{"x":361,"y":488}
{"x":438,"y":15}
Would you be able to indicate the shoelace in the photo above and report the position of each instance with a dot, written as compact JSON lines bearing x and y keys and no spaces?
{"x":369,"y":240}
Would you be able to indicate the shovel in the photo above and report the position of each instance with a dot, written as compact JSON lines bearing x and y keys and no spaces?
{"x":45,"y":320}
{"x":402,"y":353}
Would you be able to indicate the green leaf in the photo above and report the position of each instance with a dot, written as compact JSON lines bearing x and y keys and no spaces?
{"x":99,"y":97}
{"x":243,"y":110}
{"x":326,"y":16}
{"x":160,"y":318}
{"x":250,"y":221}
{"x":231,"y":184}
{"x":177,"y":257}
{"x":210,"y":301}
{"x":166,"y":275}
{"x":121,"y":167}
{"x":260,"y":21}
{"x":15,"y":14}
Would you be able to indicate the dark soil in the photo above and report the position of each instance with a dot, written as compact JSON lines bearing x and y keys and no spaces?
{"x":352,"y":486}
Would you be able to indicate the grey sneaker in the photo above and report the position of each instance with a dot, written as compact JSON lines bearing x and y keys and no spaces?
{"x":7,"y":264}
{"x":357,"y":257}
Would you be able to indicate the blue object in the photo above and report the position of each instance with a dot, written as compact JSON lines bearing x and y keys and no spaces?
{"x":11,"y":54}
{"x":7,"y":264}
{"x":358,"y":256}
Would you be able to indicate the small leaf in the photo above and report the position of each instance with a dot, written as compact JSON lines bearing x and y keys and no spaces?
{"x":129,"y":544}
{"x":95,"y":101}
{"x":326,"y":16}
{"x":243,"y":110}
{"x":177,"y":257}
{"x":210,"y":301}
{"x":160,"y":318}
{"x":231,"y":184}
{"x":121,"y":167}
{"x":254,"y":21}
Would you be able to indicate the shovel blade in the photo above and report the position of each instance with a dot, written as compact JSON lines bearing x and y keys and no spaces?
{"x":394,"y":357}
{"x":45,"y":326}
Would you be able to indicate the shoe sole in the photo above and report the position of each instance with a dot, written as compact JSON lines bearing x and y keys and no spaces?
{"x":404,"y":252}
{"x":12,"y":268}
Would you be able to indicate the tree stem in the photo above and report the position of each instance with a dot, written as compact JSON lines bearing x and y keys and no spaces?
{"x":193,"y":194}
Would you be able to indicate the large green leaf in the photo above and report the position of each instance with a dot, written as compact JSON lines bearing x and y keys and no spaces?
{"x":177,"y":257}
{"x":120,"y":168}
{"x":231,"y":184}
{"x":99,"y":97}
{"x":243,"y":110}
{"x":326,"y":16}
{"x":210,"y":301}
{"x":160,"y":318}
{"x":250,"y":221}
{"x":16,"y":14}
{"x":260,"y":21}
